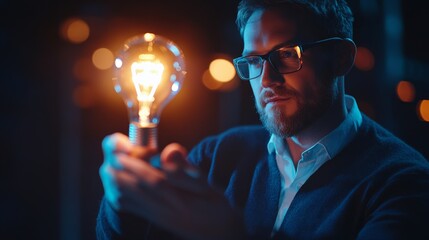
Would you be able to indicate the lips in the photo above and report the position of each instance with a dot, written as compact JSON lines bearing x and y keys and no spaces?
{"x":274,"y":96}
{"x":274,"y":99}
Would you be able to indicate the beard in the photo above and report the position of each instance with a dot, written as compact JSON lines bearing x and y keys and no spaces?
{"x":308,"y":111}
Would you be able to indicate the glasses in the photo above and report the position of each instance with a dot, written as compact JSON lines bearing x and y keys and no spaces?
{"x":284,"y":59}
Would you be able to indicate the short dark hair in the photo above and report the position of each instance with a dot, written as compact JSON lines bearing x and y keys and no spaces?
{"x":332,"y":18}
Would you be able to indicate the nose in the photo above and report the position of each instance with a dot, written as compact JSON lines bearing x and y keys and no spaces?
{"x":270,"y":77}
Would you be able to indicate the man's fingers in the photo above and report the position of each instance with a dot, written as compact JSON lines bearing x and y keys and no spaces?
{"x":148,"y":175}
{"x":174,"y":154}
{"x":123,"y":187}
{"x":116,"y":142}
{"x":144,"y":153}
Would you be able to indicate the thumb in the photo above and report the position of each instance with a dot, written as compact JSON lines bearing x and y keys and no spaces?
{"x":174,"y":156}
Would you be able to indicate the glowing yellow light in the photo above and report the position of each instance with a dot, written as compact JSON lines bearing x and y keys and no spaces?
{"x":423,"y":110}
{"x":148,"y":72}
{"x":148,"y":37}
{"x":75,"y":30}
{"x":146,"y":76}
{"x":405,"y":91}
{"x":364,"y":59}
{"x":222,"y":70}
{"x":102,"y":58}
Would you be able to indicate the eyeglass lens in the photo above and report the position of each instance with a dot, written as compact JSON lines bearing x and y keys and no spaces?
{"x":283,"y":60}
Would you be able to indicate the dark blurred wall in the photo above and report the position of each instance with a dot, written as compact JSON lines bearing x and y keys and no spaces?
{"x":29,"y":121}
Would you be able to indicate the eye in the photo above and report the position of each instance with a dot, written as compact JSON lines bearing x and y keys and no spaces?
{"x":253,"y":60}
{"x":287,"y":53}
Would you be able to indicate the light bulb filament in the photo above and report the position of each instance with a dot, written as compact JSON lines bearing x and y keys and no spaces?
{"x":146,"y":76}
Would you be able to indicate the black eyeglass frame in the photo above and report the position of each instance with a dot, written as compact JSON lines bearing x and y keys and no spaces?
{"x":266,"y":57}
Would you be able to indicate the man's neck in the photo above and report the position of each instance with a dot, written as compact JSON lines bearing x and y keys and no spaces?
{"x":308,"y":137}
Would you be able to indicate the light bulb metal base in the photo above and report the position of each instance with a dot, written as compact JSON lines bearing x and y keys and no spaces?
{"x":146,"y":136}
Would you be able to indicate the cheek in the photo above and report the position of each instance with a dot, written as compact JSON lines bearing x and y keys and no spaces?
{"x":320,"y":68}
{"x":256,"y":87}
{"x":310,"y":82}
{"x":304,"y":84}
{"x":311,"y":91}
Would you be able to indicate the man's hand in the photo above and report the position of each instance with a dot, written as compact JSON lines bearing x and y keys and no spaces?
{"x":175,"y":196}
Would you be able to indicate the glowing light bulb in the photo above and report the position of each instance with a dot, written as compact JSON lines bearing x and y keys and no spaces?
{"x":149,"y":72}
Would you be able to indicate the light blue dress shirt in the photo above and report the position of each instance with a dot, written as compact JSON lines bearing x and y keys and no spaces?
{"x":312,"y":158}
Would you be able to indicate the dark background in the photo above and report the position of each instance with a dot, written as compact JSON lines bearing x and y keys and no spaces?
{"x":51,"y":152}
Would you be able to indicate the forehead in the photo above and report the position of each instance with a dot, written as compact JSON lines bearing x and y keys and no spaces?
{"x":266,"y":29}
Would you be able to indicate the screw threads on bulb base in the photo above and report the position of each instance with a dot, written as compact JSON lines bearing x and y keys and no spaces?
{"x":143,"y":136}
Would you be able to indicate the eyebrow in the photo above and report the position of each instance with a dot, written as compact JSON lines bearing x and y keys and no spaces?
{"x":248,"y":53}
{"x":280,"y":45}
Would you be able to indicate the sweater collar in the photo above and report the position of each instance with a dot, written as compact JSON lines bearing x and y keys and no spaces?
{"x":335,"y":140}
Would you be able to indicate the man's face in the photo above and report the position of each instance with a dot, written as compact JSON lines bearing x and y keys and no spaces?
{"x":287,"y":103}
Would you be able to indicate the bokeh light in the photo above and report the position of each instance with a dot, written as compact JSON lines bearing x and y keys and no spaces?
{"x":406,"y":91}
{"x":423,"y":110}
{"x":216,"y":85}
{"x":222,"y":70}
{"x":75,"y":30}
{"x":102,"y":58}
{"x":209,"y":82}
{"x":364,"y":59}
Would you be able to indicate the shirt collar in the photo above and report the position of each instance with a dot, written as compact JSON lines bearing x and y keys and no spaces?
{"x":334,"y":141}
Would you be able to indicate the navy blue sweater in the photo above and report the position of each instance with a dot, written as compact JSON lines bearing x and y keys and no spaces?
{"x":375,"y":188}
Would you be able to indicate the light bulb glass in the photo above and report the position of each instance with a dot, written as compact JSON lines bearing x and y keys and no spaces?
{"x":149,"y":72}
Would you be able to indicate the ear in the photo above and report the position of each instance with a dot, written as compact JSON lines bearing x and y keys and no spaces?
{"x":345,"y":53}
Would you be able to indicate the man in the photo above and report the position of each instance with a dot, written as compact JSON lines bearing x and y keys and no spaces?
{"x":318,"y":169}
